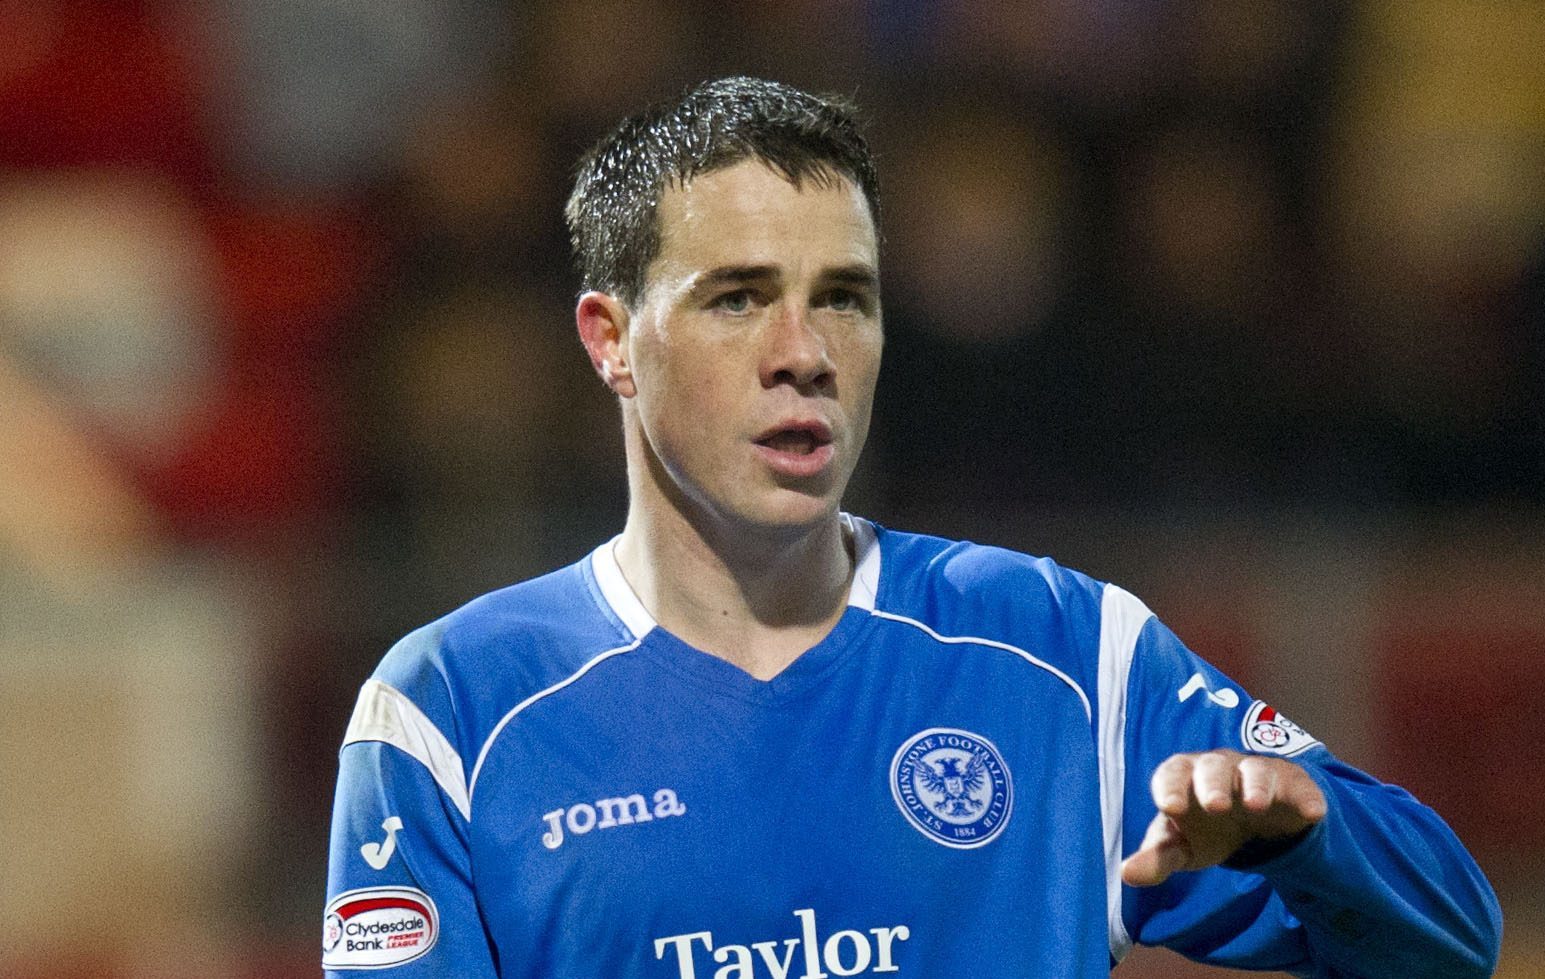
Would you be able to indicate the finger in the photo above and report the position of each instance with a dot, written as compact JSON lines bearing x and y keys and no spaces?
{"x":1259,"y":783}
{"x":1295,"y":792}
{"x":1298,"y":791}
{"x":1280,"y":798}
{"x":1214,"y":782}
{"x":1164,"y":851}
{"x":1171,"y":785}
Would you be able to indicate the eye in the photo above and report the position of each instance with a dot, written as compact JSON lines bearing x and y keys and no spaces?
{"x":738,"y":301}
{"x":844,"y":301}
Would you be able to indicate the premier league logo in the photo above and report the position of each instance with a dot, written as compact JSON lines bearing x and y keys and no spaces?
{"x":952,"y":786}
{"x":332,"y":932}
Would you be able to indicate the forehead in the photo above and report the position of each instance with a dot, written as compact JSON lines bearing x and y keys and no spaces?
{"x":748,"y":214}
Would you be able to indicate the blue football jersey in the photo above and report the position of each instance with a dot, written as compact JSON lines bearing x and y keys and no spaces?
{"x":546,"y":783}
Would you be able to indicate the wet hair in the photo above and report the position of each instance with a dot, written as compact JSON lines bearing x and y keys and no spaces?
{"x":612,"y":213}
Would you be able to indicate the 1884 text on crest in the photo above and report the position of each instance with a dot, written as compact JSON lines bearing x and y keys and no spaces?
{"x":952,"y":786}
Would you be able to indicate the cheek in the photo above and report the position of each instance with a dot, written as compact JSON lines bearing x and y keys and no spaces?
{"x":657,"y":374}
{"x":686,"y":396}
{"x":859,"y":356}
{"x":866,"y":378}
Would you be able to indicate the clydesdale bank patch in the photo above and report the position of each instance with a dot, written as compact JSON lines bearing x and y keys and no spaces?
{"x":377,"y":927}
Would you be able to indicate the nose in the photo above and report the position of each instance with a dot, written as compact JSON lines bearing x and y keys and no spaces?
{"x":795,"y":352}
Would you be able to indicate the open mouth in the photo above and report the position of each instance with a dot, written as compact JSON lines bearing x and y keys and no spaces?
{"x":798,"y":449}
{"x":795,"y":441}
{"x":799,"y":439}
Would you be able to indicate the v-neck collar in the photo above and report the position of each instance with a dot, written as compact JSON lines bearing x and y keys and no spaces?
{"x":618,"y":597}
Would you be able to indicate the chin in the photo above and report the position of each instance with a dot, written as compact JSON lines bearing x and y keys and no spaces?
{"x":791,"y":511}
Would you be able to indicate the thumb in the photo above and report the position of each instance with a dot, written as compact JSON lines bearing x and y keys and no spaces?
{"x":1164,"y":851}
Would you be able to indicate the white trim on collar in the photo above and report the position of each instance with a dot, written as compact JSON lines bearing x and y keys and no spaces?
{"x":624,"y":601}
{"x":866,"y":562}
{"x":617,"y":592}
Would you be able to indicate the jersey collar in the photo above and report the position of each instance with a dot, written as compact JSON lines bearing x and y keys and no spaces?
{"x":626,"y":606}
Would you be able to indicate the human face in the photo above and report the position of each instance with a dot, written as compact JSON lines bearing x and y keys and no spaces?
{"x":755,"y":348}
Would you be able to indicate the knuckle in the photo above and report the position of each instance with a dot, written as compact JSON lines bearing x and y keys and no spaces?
{"x":1255,"y":765}
{"x":1173,"y":766}
{"x":1213,"y":761}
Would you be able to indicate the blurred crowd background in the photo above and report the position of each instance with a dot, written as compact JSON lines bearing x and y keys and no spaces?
{"x":1240,"y":303}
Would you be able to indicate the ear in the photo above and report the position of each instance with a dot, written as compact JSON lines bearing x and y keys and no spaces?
{"x":603,"y":326}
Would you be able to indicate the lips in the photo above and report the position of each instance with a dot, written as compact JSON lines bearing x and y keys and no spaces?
{"x":798,"y":438}
{"x":797,"y":448}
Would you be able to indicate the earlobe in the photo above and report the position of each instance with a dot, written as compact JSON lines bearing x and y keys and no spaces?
{"x":603,"y":326}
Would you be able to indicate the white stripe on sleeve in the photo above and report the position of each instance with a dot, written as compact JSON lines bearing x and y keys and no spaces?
{"x":383,"y":713}
{"x":1122,"y":617}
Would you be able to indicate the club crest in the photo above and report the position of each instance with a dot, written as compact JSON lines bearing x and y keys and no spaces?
{"x":952,"y":786}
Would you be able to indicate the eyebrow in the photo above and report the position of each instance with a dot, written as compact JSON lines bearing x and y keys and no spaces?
{"x":861,"y":276}
{"x":733,"y":275}
{"x":858,"y":275}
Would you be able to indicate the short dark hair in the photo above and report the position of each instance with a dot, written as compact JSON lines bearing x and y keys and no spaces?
{"x":613,"y":211}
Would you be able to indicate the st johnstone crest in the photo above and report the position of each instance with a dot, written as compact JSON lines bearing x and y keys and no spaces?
{"x":953,"y":787}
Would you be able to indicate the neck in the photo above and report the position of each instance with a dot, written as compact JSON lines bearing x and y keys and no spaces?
{"x":756,"y":597}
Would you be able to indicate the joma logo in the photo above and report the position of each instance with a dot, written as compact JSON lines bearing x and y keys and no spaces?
{"x":583,"y":817}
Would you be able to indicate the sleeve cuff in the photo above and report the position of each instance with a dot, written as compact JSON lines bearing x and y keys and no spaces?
{"x":1254,"y":853}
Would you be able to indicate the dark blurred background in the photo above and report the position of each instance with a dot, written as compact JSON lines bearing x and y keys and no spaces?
{"x":1240,"y":303}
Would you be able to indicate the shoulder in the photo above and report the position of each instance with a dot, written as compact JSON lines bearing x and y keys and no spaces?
{"x":464,"y":670}
{"x":963,"y":589}
{"x":962,"y":581}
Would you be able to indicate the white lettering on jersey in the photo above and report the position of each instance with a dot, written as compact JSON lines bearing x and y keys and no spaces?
{"x":845,"y":953}
{"x":583,"y":817}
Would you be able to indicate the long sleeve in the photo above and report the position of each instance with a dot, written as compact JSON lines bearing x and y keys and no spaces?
{"x":1380,"y":888}
{"x":399,"y":881}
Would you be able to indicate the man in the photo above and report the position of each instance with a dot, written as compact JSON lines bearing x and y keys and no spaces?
{"x":754,"y":736}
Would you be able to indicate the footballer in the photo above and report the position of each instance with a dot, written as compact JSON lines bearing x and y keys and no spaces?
{"x":754,"y":736}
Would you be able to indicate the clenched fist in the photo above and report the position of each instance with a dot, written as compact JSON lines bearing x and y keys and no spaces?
{"x":1211,"y":803}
